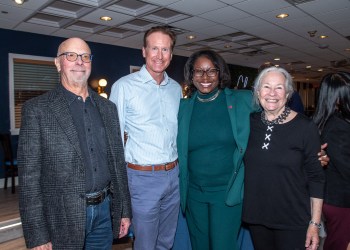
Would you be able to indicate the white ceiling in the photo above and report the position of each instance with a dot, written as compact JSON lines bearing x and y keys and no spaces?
{"x":244,"y":32}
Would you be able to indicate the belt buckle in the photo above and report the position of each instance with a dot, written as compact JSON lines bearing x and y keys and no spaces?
{"x":100,"y":198}
{"x":97,"y":199}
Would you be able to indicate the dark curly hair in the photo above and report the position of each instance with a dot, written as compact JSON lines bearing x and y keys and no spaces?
{"x":216,"y":59}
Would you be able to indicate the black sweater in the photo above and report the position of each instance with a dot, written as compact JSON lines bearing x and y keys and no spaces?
{"x":282,"y":173}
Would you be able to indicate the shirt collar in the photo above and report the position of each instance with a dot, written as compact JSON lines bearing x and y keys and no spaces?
{"x":146,"y":76}
{"x":71,"y":97}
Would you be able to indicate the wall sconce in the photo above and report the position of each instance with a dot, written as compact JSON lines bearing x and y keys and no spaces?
{"x":102,"y":83}
{"x":186,"y":91}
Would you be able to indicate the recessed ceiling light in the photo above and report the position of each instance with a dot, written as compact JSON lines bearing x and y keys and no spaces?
{"x":106,"y":18}
{"x":347,"y":49}
{"x":277,"y":65}
{"x":320,"y":70}
{"x":323,"y":36}
{"x":19,"y":2}
{"x":191,"y":37}
{"x":282,"y":15}
{"x":277,"y":59}
{"x":308,"y":66}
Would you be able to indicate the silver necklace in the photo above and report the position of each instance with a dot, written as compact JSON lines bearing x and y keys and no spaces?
{"x":278,"y":120}
{"x":210,"y":98}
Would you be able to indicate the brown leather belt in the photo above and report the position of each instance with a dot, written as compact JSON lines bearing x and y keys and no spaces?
{"x":167,"y":166}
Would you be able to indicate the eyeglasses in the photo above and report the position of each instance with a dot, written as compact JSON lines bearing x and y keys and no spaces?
{"x":72,"y":56}
{"x":209,"y":72}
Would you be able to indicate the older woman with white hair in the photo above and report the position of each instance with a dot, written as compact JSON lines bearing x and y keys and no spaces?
{"x":284,"y":180}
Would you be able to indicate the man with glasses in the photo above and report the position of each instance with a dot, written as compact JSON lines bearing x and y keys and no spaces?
{"x":148,"y":103}
{"x":73,"y":183}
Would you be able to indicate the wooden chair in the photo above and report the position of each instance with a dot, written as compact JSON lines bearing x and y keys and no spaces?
{"x":9,"y":162}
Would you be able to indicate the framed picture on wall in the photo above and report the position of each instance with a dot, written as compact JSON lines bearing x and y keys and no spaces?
{"x":134,"y":68}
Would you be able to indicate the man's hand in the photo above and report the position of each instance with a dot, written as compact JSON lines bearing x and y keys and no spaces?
{"x":47,"y":246}
{"x":124,"y":227}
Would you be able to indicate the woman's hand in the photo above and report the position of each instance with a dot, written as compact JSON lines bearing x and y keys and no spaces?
{"x":323,"y":157}
{"x":312,"y":239}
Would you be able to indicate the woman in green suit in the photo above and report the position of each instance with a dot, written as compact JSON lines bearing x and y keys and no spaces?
{"x":212,"y":139}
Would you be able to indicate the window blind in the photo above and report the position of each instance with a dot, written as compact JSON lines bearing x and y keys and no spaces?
{"x":31,"y":78}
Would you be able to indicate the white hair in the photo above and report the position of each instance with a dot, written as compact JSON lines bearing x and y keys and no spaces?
{"x":288,"y":83}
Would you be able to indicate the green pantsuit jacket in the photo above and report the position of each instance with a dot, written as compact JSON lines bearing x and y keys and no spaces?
{"x":239,"y":105}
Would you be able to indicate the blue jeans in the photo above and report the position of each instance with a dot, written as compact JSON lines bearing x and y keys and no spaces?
{"x":155,"y":201}
{"x":98,"y":231}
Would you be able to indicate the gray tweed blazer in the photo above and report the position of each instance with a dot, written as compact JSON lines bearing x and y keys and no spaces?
{"x":52,"y":175}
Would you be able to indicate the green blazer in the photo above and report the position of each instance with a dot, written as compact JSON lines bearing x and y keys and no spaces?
{"x":239,"y":105}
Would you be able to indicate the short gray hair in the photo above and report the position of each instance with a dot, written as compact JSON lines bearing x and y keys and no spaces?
{"x":288,"y":83}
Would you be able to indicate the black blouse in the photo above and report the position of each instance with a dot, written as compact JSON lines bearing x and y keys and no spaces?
{"x":337,"y":134}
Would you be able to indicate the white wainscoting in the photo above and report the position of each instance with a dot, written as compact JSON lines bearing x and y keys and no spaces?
{"x":9,"y":184}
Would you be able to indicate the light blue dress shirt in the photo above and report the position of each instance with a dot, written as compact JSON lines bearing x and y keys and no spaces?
{"x":148,"y":114}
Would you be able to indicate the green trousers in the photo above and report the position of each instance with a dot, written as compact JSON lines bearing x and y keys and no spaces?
{"x":212,"y":224}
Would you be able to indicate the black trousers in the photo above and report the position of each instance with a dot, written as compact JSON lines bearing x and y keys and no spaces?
{"x":275,"y":239}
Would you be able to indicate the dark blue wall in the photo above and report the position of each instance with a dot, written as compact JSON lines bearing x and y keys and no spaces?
{"x":110,"y":62}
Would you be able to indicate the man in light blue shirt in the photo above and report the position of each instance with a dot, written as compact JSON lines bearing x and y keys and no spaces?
{"x":148,"y":103}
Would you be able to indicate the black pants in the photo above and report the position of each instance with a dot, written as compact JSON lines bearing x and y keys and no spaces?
{"x":275,"y":239}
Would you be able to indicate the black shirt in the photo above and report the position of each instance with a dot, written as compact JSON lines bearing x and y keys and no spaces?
{"x":92,"y":139}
